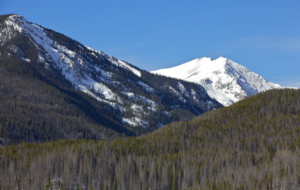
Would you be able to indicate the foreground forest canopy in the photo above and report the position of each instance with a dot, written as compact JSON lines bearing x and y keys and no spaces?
{"x":253,"y":144}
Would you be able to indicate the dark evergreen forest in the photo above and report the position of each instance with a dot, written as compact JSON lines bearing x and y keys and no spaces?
{"x":253,"y":144}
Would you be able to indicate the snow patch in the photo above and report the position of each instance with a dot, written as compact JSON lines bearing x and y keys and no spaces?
{"x":146,"y":87}
{"x":138,"y":97}
{"x":135,"y":121}
{"x":25,"y":59}
{"x":182,"y":89}
{"x":116,"y":61}
{"x":176,"y":93}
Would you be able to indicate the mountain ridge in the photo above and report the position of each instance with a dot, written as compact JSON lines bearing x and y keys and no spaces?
{"x":224,"y":80}
{"x":135,"y":99}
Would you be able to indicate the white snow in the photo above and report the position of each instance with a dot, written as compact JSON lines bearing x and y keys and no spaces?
{"x":146,"y":87}
{"x":183,"y":91}
{"x":116,"y":61}
{"x":175,"y":92}
{"x":194,"y":95}
{"x":223,"y":79}
{"x":105,"y":76}
{"x":102,"y":89}
{"x":74,"y":67}
{"x":138,"y":97}
{"x":25,"y":59}
{"x":41,"y":59}
{"x":135,"y":121}
{"x":92,"y":94}
{"x":125,"y":65}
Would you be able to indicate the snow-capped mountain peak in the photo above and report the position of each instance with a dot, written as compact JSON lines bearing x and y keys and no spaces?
{"x":224,"y":80}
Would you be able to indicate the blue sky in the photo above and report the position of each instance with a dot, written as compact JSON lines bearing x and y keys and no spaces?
{"x":263,"y":35}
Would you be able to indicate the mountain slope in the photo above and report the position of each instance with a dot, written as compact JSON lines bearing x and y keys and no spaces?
{"x":131,"y":99}
{"x":35,"y":109}
{"x":253,"y":144}
{"x":223,"y":79}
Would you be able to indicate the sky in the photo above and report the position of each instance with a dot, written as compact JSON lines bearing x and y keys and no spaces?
{"x":263,"y":36}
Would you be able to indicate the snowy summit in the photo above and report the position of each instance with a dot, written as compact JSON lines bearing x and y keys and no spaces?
{"x":224,"y":80}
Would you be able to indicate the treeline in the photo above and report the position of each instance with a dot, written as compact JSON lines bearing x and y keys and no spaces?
{"x":253,"y":144}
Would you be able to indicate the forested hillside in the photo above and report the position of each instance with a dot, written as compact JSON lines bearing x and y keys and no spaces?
{"x":35,"y":110}
{"x":52,"y":87}
{"x":253,"y":144}
{"x":39,"y":106}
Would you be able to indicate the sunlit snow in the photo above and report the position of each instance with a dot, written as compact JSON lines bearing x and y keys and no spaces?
{"x":223,"y":79}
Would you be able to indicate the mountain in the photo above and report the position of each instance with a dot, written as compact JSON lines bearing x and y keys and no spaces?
{"x":60,"y":74}
{"x":253,"y":144}
{"x":223,"y":79}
